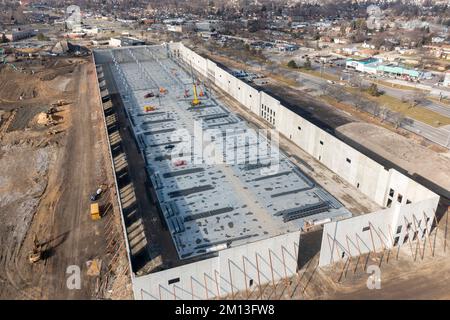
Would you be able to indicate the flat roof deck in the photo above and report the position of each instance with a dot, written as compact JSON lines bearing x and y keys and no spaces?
{"x":210,"y":204}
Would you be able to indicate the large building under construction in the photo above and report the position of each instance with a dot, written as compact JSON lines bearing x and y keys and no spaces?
{"x":233,"y":204}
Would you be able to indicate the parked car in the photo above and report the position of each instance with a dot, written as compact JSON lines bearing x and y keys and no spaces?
{"x":95,"y":196}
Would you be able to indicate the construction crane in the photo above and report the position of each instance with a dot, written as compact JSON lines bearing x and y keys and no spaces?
{"x":195,"y":101}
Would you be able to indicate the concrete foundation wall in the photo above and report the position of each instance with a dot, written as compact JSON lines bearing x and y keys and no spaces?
{"x":193,"y":59}
{"x":233,"y":270}
{"x":398,"y":225}
{"x":362,"y":172}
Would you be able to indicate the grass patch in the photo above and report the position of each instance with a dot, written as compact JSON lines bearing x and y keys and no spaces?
{"x":367,"y":117}
{"x":316,"y":73}
{"x":288,"y":81}
{"x":418,"y":113}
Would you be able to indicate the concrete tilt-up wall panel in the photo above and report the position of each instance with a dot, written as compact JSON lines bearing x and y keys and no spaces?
{"x":398,"y":225}
{"x":263,"y":261}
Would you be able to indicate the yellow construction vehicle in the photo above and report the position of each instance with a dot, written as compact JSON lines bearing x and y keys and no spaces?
{"x":195,"y":101}
{"x":149,"y":108}
{"x":162,"y":90}
{"x":35,"y":255}
{"x":95,"y":211}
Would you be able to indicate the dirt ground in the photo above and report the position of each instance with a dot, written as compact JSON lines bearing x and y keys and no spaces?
{"x":417,"y":271}
{"x":47,"y":173}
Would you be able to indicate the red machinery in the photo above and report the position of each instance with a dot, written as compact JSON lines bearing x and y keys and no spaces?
{"x":178,"y":163}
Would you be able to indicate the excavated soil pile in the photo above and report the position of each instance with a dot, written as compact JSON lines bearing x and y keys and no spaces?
{"x":17,"y":86}
{"x":57,"y":68}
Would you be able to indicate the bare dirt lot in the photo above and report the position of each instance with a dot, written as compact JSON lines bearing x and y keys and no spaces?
{"x":420,"y":270}
{"x":51,"y":160}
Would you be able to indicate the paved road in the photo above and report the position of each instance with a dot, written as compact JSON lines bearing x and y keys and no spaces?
{"x":437,"y":107}
{"x":437,"y":135}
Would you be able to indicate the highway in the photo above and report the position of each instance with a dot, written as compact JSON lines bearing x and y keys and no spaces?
{"x":437,"y":135}
{"x":426,"y":103}
{"x":437,"y":107}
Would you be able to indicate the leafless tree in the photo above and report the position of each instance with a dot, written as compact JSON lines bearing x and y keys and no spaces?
{"x":404,"y":99}
{"x":271,"y":66}
{"x":417,"y":98}
{"x":373,"y":108}
{"x":355,"y":81}
{"x":383,"y":113}
{"x":358,"y":100}
{"x":397,"y":118}
{"x":336,"y":92}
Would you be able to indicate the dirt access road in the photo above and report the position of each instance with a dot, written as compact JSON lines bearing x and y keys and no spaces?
{"x":62,"y":220}
{"x":80,"y":174}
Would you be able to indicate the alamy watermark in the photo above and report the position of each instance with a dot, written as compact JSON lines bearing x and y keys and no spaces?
{"x":73,"y":14}
{"x":237,"y":146}
{"x":374,"y":280}
{"x":73,"y":281}
{"x":375,"y":17}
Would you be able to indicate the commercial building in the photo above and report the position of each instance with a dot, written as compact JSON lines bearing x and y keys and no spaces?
{"x":181,"y":27}
{"x":447,"y":79}
{"x":239,"y":224}
{"x":18,"y":34}
{"x":368,"y":65}
{"x":207,"y":25}
{"x":376,"y":66}
{"x":125,"y":42}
